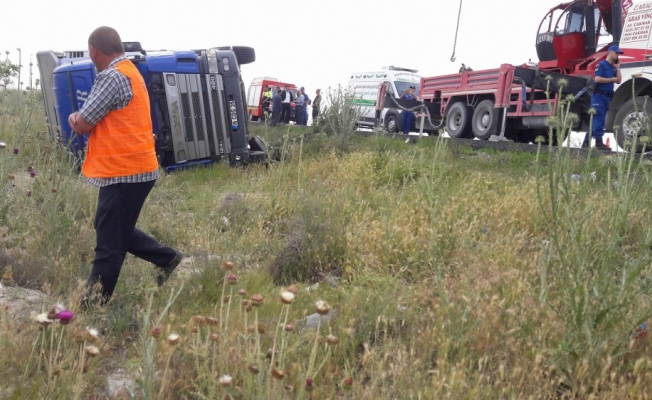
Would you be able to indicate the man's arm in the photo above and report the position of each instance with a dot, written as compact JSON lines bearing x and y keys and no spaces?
{"x":79,"y":124}
{"x":111,"y":91}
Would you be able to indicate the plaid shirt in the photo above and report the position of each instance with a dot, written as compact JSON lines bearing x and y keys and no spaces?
{"x":111,"y":91}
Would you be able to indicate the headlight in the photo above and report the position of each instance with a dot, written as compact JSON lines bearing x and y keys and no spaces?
{"x":225,"y":61}
{"x":212,"y":62}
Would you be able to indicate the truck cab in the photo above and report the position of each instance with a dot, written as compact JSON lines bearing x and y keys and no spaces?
{"x":197,"y":102}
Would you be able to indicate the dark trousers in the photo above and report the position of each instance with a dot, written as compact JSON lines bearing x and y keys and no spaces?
{"x":408,"y":117}
{"x":315,"y":113}
{"x":300,"y":114}
{"x":276,"y":117}
{"x":118,"y":208}
{"x":285,"y":113}
{"x":601,"y":104}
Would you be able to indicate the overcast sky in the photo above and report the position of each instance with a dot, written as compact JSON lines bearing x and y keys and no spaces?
{"x":309,"y":43}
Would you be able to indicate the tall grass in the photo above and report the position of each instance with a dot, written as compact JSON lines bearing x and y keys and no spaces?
{"x":450,"y":274}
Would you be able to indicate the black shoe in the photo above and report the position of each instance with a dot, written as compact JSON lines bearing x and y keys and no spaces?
{"x":585,"y":145}
{"x":599,"y":145}
{"x":163,"y":273}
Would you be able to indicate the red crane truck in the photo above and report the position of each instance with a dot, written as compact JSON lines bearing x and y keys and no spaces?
{"x":510,"y":102}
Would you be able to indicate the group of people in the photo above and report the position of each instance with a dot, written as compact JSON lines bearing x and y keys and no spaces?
{"x":279,"y":103}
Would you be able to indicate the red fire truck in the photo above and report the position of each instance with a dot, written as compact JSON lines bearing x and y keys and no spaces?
{"x":255,"y":95}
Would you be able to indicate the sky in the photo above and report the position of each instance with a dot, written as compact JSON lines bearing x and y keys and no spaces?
{"x":315,"y":44}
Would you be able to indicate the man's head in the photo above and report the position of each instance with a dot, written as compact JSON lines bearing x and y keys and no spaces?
{"x":413,"y":89}
{"x":278,"y":90}
{"x":104,"y":45}
{"x":287,"y":87}
{"x":613,"y":52}
{"x":318,"y":91}
{"x":303,"y":90}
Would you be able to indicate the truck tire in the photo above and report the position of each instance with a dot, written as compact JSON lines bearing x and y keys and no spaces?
{"x":485,"y":120}
{"x":244,"y":54}
{"x":391,"y":124}
{"x":634,"y":119}
{"x":458,"y":120}
{"x":257,"y":143}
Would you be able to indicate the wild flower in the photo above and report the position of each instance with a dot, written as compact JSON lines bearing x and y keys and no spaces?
{"x":214,"y":337}
{"x":42,"y":319}
{"x":232,"y":279}
{"x":278,"y":373}
{"x":289,"y":328}
{"x":156,"y":332}
{"x":287,"y":297}
{"x":309,"y":385}
{"x":347,"y":383}
{"x":199,"y":320}
{"x":253,"y":368}
{"x":257,"y":299}
{"x":227,"y":265}
{"x":293,"y":289}
{"x":332,"y":340}
{"x":65,"y":317}
{"x":211,"y":321}
{"x":32,"y":174}
{"x":225,"y":380}
{"x":54,"y":311}
{"x":261,"y":328}
{"x":242,"y":292}
{"x":173,"y":339}
{"x":28,"y":193}
{"x":91,"y":351}
{"x":16,"y":150}
{"x":322,"y":307}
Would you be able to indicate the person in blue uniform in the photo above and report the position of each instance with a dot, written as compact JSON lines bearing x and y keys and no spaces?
{"x":408,"y":116}
{"x":607,"y":73}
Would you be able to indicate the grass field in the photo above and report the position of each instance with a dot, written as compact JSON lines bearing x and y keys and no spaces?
{"x":453,"y":273}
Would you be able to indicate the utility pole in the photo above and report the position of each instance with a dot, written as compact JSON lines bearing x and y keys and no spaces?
{"x":30,"y":72}
{"x":7,"y":55}
{"x":20,"y":66}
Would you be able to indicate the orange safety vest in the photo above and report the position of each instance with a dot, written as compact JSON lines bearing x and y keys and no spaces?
{"x":122,"y":143}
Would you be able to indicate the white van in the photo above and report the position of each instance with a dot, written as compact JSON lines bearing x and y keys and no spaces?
{"x":364,"y":86}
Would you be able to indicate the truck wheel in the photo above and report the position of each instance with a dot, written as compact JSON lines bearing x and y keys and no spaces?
{"x":458,"y":120}
{"x":634,"y":119}
{"x":391,"y":124}
{"x":244,"y":54}
{"x":485,"y":120}
{"x":257,"y":143}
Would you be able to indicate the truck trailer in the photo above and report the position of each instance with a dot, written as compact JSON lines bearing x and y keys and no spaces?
{"x":197,"y":102}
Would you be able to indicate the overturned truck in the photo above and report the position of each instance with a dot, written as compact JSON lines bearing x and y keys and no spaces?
{"x":197,"y":102}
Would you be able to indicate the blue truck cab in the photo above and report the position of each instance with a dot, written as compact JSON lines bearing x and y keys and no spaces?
{"x":197,"y":102}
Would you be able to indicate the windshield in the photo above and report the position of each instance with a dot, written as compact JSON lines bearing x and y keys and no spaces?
{"x":403,"y":86}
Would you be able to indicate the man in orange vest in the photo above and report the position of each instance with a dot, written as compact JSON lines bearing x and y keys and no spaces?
{"x":121,"y":161}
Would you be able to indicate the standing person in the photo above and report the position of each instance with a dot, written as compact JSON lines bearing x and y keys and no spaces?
{"x":288,"y":98}
{"x":121,"y":161}
{"x":408,"y":116}
{"x":306,"y":103}
{"x":300,"y":108}
{"x":277,"y":107}
{"x":267,"y":99}
{"x":606,"y":74}
{"x":316,"y":103}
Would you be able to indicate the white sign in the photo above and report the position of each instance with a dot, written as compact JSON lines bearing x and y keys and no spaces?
{"x":637,"y":26}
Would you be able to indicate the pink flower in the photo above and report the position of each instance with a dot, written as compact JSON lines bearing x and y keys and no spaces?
{"x":15,"y":150}
{"x":65,"y":317}
{"x":232,"y":279}
{"x":32,"y":174}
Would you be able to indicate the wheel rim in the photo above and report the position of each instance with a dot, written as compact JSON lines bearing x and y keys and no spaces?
{"x":633,"y":124}
{"x":391,"y":125}
{"x":455,"y":120}
{"x":483,"y":121}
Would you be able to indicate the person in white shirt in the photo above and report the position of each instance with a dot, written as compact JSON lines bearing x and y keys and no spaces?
{"x":288,"y":98}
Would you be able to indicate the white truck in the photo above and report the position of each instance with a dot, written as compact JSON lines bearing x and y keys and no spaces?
{"x":364,"y":87}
